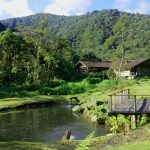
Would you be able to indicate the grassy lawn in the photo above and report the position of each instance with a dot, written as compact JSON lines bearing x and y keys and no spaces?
{"x":100,"y":91}
{"x":62,"y":145}
{"x":141,"y":88}
{"x":134,"y":146}
{"x":10,"y":103}
{"x":23,"y":146}
{"x":134,"y":140}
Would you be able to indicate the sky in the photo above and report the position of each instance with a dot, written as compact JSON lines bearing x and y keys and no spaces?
{"x":19,"y":8}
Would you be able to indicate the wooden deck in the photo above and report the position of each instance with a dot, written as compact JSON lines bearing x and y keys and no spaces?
{"x":125,"y":103}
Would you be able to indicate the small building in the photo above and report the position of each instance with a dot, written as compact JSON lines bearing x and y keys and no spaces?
{"x":137,"y":68}
{"x":89,"y":66}
{"x":133,"y":67}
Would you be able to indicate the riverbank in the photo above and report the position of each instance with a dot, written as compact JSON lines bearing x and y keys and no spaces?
{"x":88,"y":89}
{"x":7,"y":104}
{"x":100,"y":92}
{"x":133,"y":140}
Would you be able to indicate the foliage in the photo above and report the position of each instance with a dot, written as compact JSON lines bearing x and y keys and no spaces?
{"x":104,"y":33}
{"x":55,"y":82}
{"x":33,"y":56}
{"x":107,"y":84}
{"x":118,"y":122}
{"x":84,"y":144}
{"x":92,"y":80}
{"x":143,"y":120}
{"x":114,"y":123}
{"x":124,"y":122}
{"x":2,"y":27}
{"x":47,"y":148}
{"x":16,"y":59}
{"x":95,"y":107}
{"x":110,"y":74}
{"x":46,"y":46}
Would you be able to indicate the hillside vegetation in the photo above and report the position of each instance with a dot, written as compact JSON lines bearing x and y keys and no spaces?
{"x":103,"y":33}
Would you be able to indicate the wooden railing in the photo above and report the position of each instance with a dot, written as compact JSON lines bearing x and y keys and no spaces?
{"x":125,"y":97}
{"x":119,"y":98}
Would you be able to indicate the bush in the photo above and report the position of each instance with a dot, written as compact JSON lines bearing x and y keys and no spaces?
{"x":56,"y":82}
{"x":46,"y":91}
{"x":107,"y":84}
{"x":32,"y":87}
{"x":93,"y":80}
{"x":61,"y":90}
{"x":70,"y":88}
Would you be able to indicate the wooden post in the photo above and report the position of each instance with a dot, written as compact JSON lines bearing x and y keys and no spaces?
{"x":128,"y":93}
{"x":133,"y":122}
{"x":110,"y":103}
{"x":133,"y":117}
{"x":121,"y":97}
{"x":119,"y":101}
{"x":134,"y":103}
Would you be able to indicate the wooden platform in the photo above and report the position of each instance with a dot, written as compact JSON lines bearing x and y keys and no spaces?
{"x":142,"y":106}
{"x":120,"y":103}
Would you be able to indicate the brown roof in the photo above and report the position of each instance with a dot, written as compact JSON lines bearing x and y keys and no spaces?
{"x":107,"y":64}
{"x":94,"y":64}
{"x":134,"y":63}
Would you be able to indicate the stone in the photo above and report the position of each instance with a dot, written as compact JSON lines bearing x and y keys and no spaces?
{"x":66,"y":135}
{"x":94,"y":118}
{"x":76,"y":108}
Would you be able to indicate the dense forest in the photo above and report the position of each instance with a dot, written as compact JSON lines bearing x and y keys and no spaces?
{"x":100,"y":32}
{"x":37,"y":48}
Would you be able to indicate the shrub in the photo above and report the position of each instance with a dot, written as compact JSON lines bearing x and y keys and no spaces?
{"x":46,"y":91}
{"x":70,"y":88}
{"x":107,"y":84}
{"x":143,"y":120}
{"x":62,"y":90}
{"x":32,"y":87}
{"x":55,"y":83}
{"x":93,"y":80}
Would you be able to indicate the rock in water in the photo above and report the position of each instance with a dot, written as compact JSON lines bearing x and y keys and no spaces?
{"x":66,"y":135}
{"x":76,"y":108}
{"x":94,"y":118}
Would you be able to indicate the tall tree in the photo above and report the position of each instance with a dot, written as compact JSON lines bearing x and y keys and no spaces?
{"x":16,"y":56}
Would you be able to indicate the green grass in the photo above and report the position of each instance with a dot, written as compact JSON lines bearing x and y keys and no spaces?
{"x":24,"y":146}
{"x":11,"y":103}
{"x":134,"y":146}
{"x":61,"y":145}
{"x":99,"y":91}
{"x":85,"y":90}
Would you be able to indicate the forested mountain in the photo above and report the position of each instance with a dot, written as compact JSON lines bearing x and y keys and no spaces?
{"x":100,"y":32}
{"x":2,"y":27}
{"x":40,"y":47}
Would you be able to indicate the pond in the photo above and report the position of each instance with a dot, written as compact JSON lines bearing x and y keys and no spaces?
{"x":45,"y":124}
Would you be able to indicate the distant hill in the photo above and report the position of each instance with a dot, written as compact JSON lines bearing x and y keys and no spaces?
{"x":105,"y":33}
{"x":2,"y":27}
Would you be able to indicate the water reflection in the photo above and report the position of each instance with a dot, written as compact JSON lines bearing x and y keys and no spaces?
{"x":45,"y":124}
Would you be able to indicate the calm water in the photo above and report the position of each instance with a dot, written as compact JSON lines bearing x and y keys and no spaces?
{"x":45,"y":124}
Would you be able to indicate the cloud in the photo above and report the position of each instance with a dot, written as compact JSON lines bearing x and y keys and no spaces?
{"x":68,"y":7}
{"x":122,"y":4}
{"x":14,"y":8}
{"x":143,"y":7}
{"x":139,"y":6}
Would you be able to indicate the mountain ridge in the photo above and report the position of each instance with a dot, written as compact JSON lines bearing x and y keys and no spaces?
{"x":98,"y":31}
